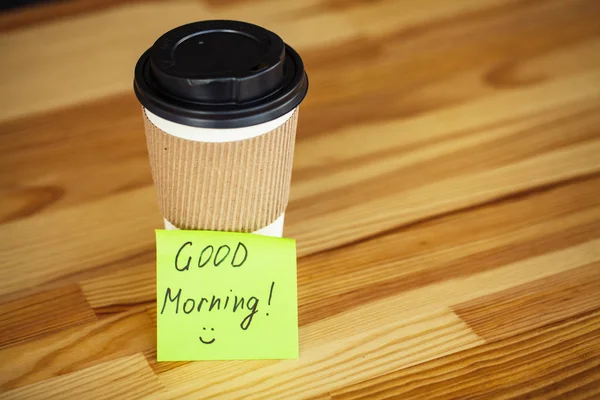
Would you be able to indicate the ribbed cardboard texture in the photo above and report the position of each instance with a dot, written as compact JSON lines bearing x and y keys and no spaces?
{"x":237,"y":186}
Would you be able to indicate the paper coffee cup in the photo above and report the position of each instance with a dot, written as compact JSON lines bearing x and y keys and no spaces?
{"x":220,"y":107}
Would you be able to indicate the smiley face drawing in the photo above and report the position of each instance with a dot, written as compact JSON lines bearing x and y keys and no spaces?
{"x":207,"y":341}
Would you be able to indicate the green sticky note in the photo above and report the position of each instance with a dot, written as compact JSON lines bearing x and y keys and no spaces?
{"x":225,"y":296}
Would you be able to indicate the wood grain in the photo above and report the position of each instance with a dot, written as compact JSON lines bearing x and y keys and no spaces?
{"x":553,"y":217}
{"x":76,"y":348}
{"x":534,"y":304}
{"x":560,"y":362}
{"x":43,"y":313}
{"x":126,"y":286}
{"x":129,"y":377}
{"x":444,"y":201}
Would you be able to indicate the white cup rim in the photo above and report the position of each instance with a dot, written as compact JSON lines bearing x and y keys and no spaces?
{"x":274,"y":229}
{"x":214,"y":135}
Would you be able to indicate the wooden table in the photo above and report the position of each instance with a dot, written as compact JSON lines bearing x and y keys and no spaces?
{"x":445,"y":202}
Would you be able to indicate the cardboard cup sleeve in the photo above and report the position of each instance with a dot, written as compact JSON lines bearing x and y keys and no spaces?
{"x":240,"y":185}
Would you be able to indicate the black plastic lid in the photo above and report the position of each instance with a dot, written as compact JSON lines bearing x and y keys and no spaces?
{"x":220,"y":74}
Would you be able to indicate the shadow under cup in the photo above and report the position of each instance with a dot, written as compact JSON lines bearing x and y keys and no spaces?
{"x":220,"y":107}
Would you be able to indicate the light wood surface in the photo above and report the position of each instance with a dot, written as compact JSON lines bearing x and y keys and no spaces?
{"x":445,"y":202}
